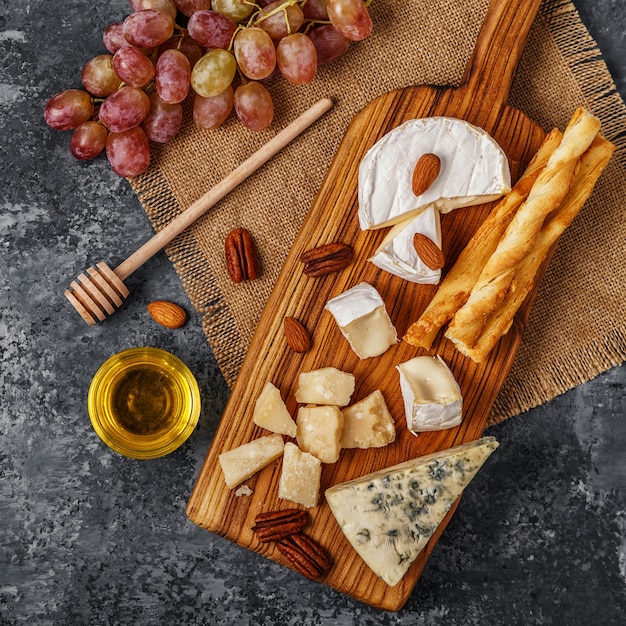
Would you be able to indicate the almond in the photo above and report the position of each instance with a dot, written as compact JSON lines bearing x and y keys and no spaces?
{"x":428,"y":251}
{"x":296,"y":335}
{"x":425,"y":173}
{"x":167,"y":313}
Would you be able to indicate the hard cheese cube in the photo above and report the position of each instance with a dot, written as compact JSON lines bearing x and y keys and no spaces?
{"x":325,"y":386}
{"x":242,"y":462}
{"x":271,"y":413}
{"x":368,"y":423}
{"x":300,"y":477}
{"x":318,"y":431}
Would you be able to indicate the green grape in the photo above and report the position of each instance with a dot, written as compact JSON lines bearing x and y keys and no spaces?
{"x":237,"y":10}
{"x":213,"y":73}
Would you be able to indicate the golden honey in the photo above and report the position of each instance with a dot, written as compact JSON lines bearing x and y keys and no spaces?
{"x":144,"y":402}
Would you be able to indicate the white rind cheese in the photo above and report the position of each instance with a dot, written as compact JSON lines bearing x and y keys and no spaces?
{"x":389,"y":516}
{"x":432,"y":397}
{"x":362,"y":318}
{"x":397,"y":254}
{"x":474,"y":170}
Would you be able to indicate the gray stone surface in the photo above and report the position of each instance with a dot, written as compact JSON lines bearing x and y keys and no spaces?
{"x":90,"y":537}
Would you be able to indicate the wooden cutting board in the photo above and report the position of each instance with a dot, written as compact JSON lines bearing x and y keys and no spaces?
{"x":481,"y":100}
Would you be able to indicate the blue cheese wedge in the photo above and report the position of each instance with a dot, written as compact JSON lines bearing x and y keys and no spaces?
{"x":397,"y":254}
{"x":474,"y":170}
{"x":362,"y":318}
{"x":432,"y":397}
{"x":389,"y":516}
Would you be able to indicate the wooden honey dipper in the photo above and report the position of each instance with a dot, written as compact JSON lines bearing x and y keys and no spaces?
{"x":99,"y":291}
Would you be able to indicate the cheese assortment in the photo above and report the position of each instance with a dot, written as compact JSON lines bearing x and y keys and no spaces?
{"x":362,"y":318}
{"x":474,"y":170}
{"x":432,"y":397}
{"x":389,"y":516}
{"x":397,"y":254}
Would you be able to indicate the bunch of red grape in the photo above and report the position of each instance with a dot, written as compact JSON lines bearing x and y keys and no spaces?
{"x":221,"y":53}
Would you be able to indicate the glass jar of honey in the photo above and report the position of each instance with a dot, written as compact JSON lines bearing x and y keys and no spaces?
{"x":143,"y":402}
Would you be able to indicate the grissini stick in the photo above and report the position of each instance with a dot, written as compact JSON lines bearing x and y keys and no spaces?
{"x":100,"y":290}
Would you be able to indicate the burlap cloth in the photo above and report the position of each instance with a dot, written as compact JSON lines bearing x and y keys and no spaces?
{"x":577,"y":327}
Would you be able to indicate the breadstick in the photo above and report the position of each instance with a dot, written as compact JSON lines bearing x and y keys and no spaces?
{"x":592,"y":163}
{"x":518,"y":240}
{"x":457,"y":285}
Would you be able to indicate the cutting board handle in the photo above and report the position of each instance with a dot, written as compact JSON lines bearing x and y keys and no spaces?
{"x":490,"y":71}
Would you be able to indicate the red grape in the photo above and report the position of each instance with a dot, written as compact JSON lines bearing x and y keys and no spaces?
{"x":329,"y":43}
{"x":254,"y":106}
{"x":99,"y":77}
{"x":88,"y":141}
{"x":255,"y":53}
{"x":211,"y":29}
{"x":113,"y":37}
{"x":133,"y":66}
{"x":190,"y":48}
{"x":189,"y":7}
{"x":163,"y":120}
{"x":167,"y":6}
{"x":124,"y":109}
{"x":68,"y":110}
{"x":297,"y":58}
{"x":128,"y":152}
{"x":210,"y":113}
{"x":173,"y":73}
{"x":350,"y":18}
{"x":149,"y":28}
{"x":316,"y":10}
{"x":281,"y":22}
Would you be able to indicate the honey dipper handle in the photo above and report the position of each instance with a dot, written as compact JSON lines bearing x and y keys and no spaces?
{"x":226,"y":185}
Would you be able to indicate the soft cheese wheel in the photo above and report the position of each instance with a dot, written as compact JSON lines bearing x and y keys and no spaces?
{"x":474,"y":170}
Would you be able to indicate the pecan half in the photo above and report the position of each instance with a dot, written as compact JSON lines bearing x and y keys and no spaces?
{"x":305,"y":554}
{"x":242,"y":261}
{"x":331,"y":257}
{"x":276,"y":525}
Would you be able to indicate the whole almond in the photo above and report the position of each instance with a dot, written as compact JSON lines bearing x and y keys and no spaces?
{"x":428,"y":251}
{"x":296,"y":335}
{"x":425,"y":173}
{"x":242,"y":261}
{"x":167,"y":313}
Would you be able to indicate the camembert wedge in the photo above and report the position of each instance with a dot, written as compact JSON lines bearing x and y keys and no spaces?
{"x":389,"y":516}
{"x":432,"y":397}
{"x":362,"y":318}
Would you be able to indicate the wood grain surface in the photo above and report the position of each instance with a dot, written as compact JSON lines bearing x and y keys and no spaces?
{"x":481,"y":100}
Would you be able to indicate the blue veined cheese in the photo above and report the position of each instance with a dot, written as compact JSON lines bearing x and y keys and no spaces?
{"x":397,"y":254}
{"x":389,"y":516}
{"x":474,"y":170}
{"x":432,"y":397}
{"x":362,"y":318}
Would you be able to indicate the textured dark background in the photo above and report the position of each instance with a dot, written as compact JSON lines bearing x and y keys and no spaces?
{"x":90,"y":537}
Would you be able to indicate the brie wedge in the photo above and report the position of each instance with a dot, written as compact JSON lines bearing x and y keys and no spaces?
{"x":397,"y":254}
{"x":363,"y":320}
{"x":432,"y":397}
{"x":389,"y":516}
{"x":474,"y":170}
